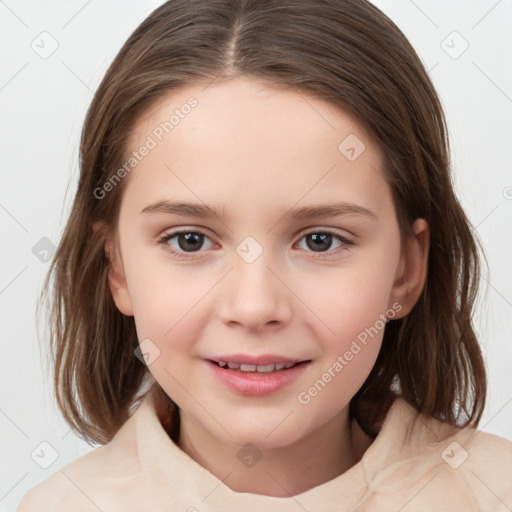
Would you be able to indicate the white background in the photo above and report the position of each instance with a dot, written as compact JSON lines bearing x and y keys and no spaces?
{"x":43,"y":104}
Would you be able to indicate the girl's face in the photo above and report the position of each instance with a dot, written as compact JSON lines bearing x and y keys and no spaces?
{"x":301,"y":262}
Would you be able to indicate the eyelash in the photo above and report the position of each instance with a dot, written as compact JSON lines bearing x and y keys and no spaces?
{"x":169,"y":236}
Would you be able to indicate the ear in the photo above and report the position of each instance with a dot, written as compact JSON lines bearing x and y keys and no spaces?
{"x":116,"y":274}
{"x":412,"y":270}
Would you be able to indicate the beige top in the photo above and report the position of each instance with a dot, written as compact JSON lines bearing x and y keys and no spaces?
{"x":433,"y":469}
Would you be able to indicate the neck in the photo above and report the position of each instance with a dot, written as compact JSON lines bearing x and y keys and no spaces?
{"x":283,"y":471}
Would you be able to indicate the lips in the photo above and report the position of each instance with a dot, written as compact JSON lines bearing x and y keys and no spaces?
{"x":245,"y":377}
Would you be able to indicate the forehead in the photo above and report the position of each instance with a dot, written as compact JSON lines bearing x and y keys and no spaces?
{"x":249,"y":143}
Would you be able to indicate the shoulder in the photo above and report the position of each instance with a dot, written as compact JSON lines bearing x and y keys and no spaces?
{"x":91,"y":482}
{"x":486,"y":448}
{"x":64,"y":487}
{"x":476,"y":465}
{"x":440,"y":465}
{"x":486,"y":464}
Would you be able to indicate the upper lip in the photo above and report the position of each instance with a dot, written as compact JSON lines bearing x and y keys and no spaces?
{"x":262,"y":359}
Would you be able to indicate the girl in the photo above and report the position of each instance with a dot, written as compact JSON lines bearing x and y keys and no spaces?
{"x":315,"y":349}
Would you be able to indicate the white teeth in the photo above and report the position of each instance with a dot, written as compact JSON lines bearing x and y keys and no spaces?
{"x":266,"y":367}
{"x":262,"y":368}
{"x":248,"y":367}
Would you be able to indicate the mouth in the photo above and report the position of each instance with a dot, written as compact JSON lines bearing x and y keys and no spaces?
{"x":257,"y":368}
{"x":248,"y":378}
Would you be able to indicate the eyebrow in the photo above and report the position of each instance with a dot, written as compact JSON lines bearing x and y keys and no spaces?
{"x":304,"y":212}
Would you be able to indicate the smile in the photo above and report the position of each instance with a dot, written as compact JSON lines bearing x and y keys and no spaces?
{"x":257,"y":379}
{"x":263,"y":368}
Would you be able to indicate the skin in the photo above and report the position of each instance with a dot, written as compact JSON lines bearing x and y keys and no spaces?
{"x":256,"y":151}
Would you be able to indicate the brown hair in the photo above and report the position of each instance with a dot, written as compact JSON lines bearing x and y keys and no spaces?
{"x":346,"y":52}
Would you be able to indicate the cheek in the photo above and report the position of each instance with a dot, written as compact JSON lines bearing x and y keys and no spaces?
{"x":354,"y":311}
{"x":168,"y":307}
{"x":352,"y":304}
{"x":350,"y":300}
{"x":168,"y":300}
{"x":354,"y":315}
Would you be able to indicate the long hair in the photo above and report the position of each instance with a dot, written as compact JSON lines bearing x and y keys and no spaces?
{"x":346,"y":52}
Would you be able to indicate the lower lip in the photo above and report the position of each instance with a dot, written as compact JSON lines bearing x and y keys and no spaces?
{"x":255,"y":383}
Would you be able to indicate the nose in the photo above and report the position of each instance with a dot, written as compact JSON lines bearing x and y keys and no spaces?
{"x":255,"y":295}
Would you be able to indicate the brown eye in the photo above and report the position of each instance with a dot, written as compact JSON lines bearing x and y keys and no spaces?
{"x":189,"y":242}
{"x":182,"y":242}
{"x":322,"y":241}
{"x":319,"y":241}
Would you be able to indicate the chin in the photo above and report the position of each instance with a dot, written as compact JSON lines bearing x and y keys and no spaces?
{"x":264,"y":432}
